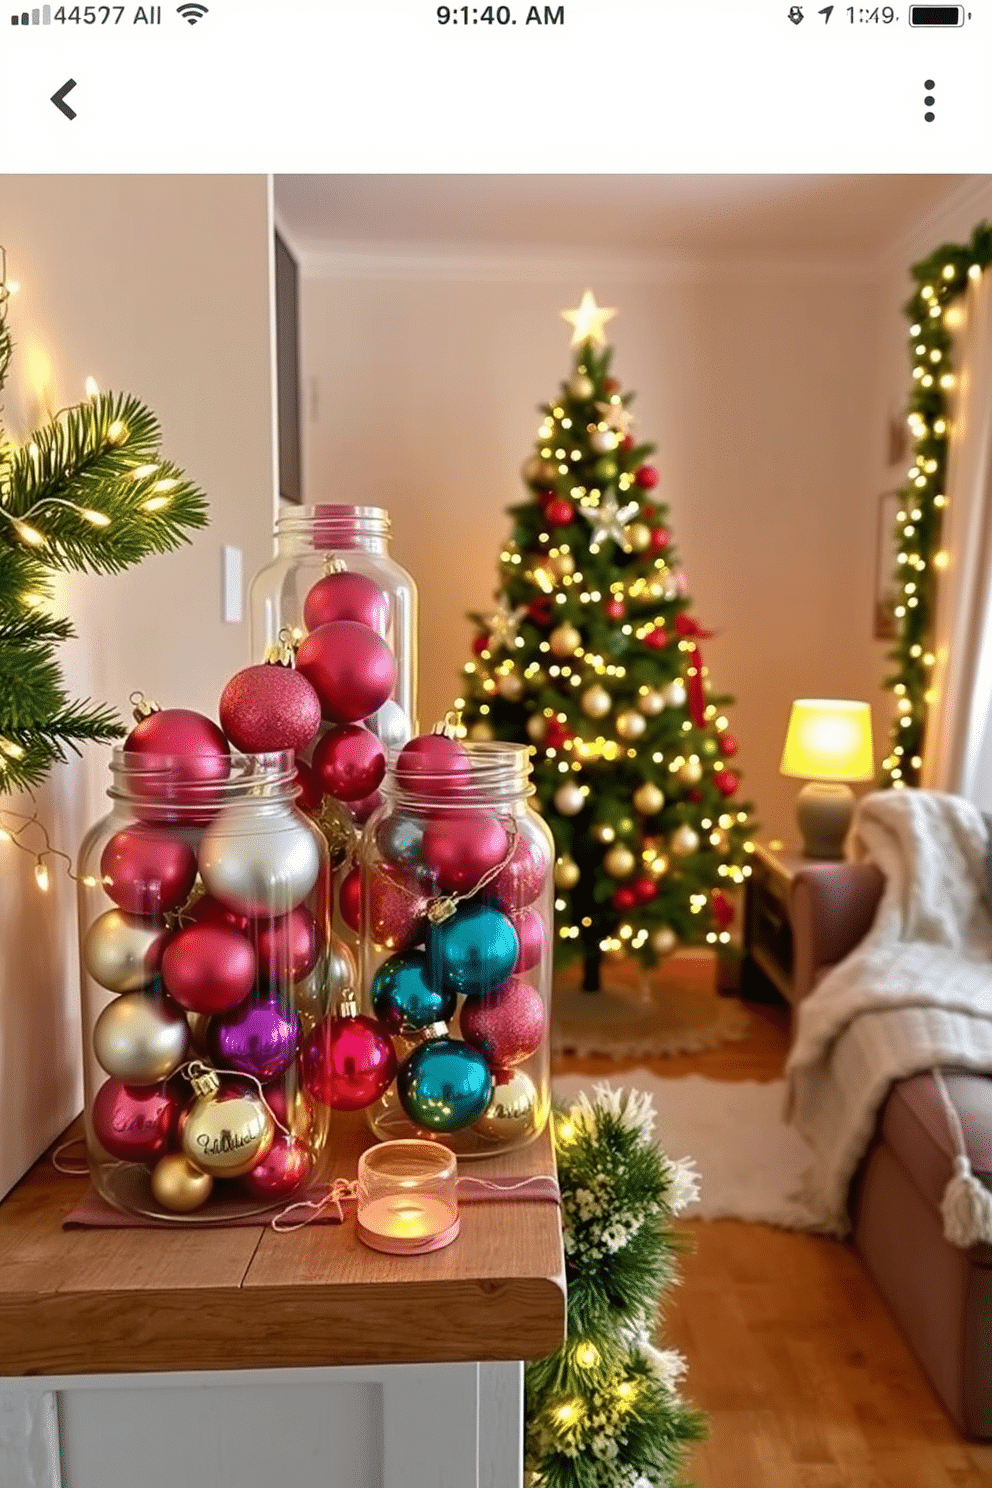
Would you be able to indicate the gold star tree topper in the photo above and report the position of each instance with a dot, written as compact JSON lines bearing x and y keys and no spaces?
{"x":588,"y":320}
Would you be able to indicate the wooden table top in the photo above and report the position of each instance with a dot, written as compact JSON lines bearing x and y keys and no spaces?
{"x":106,"y":1301}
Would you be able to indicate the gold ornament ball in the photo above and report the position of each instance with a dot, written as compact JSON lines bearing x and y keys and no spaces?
{"x":691,"y":773}
{"x":563,"y":564}
{"x":482,"y":733}
{"x":511,"y":687}
{"x":537,"y":727}
{"x":581,"y":386}
{"x":603,"y":832}
{"x":684,"y":841}
{"x":603,"y":441}
{"x":226,"y":1138}
{"x":652,"y":703}
{"x":596,"y":702}
{"x":639,"y":536}
{"x":512,"y":1109}
{"x":630,"y":725}
{"x":567,"y":873}
{"x":540,"y":472}
{"x":675,"y":693}
{"x":178,"y":1185}
{"x":648,"y":798}
{"x":121,"y":952}
{"x":664,"y":940}
{"x":569,"y":799}
{"x":619,"y":861}
{"x":720,"y":839}
{"x":564,"y":641}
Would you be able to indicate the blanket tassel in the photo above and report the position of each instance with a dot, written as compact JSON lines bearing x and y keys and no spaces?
{"x":967,"y":1203}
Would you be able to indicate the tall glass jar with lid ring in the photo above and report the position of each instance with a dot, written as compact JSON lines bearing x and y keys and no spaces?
{"x":206,"y":958}
{"x":457,"y":916}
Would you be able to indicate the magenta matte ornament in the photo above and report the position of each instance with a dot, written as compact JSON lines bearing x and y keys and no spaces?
{"x":206,"y":910}
{"x":208,"y":968}
{"x":362,"y":809}
{"x":523,"y":878}
{"x":347,"y":596}
{"x":349,"y":762}
{"x":260,"y":1038}
{"x":350,"y":899}
{"x":135,"y":1123}
{"x":533,"y":935}
{"x":288,"y":947}
{"x":174,"y":756}
{"x":352,"y":670}
{"x":282,"y":1171}
{"x":459,"y":849}
{"x":146,"y":872}
{"x":426,"y":761}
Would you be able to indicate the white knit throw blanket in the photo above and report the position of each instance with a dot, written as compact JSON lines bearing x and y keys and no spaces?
{"x":915,"y":995}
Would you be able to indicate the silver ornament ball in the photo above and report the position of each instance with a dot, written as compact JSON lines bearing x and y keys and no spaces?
{"x":259,"y":861}
{"x":564,"y":641}
{"x":651,"y":703}
{"x":141,"y":1038}
{"x":664,"y":940}
{"x":596,"y":702}
{"x":630,"y":725}
{"x":675,"y":693}
{"x":684,"y":841}
{"x":392,"y":725}
{"x":569,"y":799}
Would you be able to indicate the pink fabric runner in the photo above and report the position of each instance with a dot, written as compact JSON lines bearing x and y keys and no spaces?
{"x":92,"y":1212}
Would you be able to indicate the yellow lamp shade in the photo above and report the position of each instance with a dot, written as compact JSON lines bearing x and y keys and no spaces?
{"x":828,"y":739}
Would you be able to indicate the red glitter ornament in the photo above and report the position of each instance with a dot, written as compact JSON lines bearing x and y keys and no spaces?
{"x":728,"y":745}
{"x":646,"y":477}
{"x":660,"y":539}
{"x":523,"y":878}
{"x":397,"y":909}
{"x":540,"y":610}
{"x":208,"y":968}
{"x":349,"y":762}
{"x":350,"y":667}
{"x":267,"y":708}
{"x":725,"y":781}
{"x":624,"y":899}
{"x":532,"y":935}
{"x":480,"y":644}
{"x":347,"y":596}
{"x":614,"y":609}
{"x":348,"y":1062}
{"x":147,"y":872}
{"x":657,"y":638}
{"x":559,"y":512}
{"x":350,"y":899}
{"x":644,"y":889}
{"x":508,"y":1025}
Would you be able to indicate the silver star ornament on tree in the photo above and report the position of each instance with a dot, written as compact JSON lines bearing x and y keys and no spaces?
{"x":608,"y":520}
{"x":503,"y":625}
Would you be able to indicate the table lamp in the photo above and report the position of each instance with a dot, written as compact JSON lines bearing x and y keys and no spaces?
{"x":828,"y":743}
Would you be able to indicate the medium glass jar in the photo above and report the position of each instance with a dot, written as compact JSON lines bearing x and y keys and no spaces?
{"x":206,"y":959}
{"x":315,"y":542}
{"x":456,"y":916}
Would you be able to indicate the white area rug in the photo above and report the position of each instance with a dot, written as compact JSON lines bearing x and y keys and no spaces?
{"x":750,"y":1162}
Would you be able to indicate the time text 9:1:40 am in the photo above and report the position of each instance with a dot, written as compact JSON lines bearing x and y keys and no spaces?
{"x":499,"y":15}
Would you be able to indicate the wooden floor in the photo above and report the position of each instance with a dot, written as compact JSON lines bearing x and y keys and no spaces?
{"x":805,"y":1378}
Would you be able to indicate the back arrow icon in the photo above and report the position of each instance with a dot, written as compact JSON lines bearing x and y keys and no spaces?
{"x":59,"y":99}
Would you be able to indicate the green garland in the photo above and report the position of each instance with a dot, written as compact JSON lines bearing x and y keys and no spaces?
{"x":942,"y":280}
{"x":604,"y":1410}
{"x":88,"y":491}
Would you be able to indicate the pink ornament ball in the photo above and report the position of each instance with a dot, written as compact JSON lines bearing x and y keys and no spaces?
{"x":135,"y":1123}
{"x":728,"y":745}
{"x":430,"y":764}
{"x":349,"y":762}
{"x":347,"y":596}
{"x":282,"y":1172}
{"x":146,"y":872}
{"x":533,"y":936}
{"x":287,"y":948}
{"x":397,"y":909}
{"x":350,"y":899}
{"x":209,"y":911}
{"x":645,"y":889}
{"x":523,"y":878}
{"x":458,"y":850}
{"x":172,"y":758}
{"x":348,"y":1063}
{"x":310,"y":793}
{"x":509,"y":1025}
{"x":208,"y":968}
{"x":352,"y":670}
{"x":264,"y":709}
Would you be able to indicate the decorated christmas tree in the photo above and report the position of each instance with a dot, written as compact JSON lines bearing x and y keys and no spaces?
{"x":594,"y":658}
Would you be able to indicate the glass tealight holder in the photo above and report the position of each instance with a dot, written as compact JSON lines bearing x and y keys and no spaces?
{"x":407,"y":1197}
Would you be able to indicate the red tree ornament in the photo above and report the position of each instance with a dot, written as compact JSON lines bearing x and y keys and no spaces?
{"x":728,"y":745}
{"x":282,"y":1171}
{"x":350,"y":899}
{"x":287,"y":948}
{"x":267,"y":708}
{"x":532,"y":935}
{"x":539,"y":610}
{"x":644,"y":889}
{"x":206,"y":910}
{"x":351,"y":668}
{"x":559,"y":512}
{"x":725,"y":781}
{"x":135,"y":1123}
{"x":659,"y":539}
{"x":428,"y":762}
{"x":348,"y":1061}
{"x":614,"y":609}
{"x":646,"y":477}
{"x":480,"y":644}
{"x":723,"y":910}
{"x":146,"y":872}
{"x":398,"y":909}
{"x":460,"y":850}
{"x":523,"y":878}
{"x":311,"y":792}
{"x":208,"y":968}
{"x":657,"y":638}
{"x":174,"y":754}
{"x":624,"y":899}
{"x":349,"y":762}
{"x":347,"y":596}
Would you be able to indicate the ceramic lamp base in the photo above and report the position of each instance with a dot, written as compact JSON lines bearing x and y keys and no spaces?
{"x":823,"y":813}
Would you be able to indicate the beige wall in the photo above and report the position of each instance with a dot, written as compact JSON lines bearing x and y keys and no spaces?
{"x":755,"y":382}
{"x":157,"y":286}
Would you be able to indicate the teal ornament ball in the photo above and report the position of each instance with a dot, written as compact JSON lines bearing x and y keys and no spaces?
{"x":403,"y":999}
{"x":444,"y":1085}
{"x":472,"y":951}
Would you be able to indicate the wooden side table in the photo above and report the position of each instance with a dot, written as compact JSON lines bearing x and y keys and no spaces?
{"x":766,"y":973}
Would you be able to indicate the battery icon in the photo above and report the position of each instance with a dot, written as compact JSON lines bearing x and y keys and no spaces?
{"x":936,"y":15}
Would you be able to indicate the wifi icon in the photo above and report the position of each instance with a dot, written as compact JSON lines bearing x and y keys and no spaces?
{"x":192,"y":12}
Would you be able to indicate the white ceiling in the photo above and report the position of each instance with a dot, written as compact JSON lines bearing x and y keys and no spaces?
{"x":856,"y":217}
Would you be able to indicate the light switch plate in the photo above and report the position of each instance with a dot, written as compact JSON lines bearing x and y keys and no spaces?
{"x":232,"y":585}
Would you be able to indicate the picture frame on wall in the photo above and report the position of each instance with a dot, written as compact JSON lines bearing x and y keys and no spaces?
{"x":886,"y":549}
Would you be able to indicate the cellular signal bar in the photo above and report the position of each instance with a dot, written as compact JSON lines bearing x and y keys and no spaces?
{"x":42,"y":17}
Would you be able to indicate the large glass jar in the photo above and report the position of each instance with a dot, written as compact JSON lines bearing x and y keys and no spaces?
{"x":457,"y":915}
{"x":314,"y":542}
{"x":206,"y":962}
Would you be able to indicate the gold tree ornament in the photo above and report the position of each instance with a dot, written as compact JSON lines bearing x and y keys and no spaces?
{"x":651,"y":703}
{"x":569,"y":798}
{"x":630,"y":725}
{"x":596,"y":702}
{"x":537,"y":727}
{"x":564,"y":641}
{"x":691,"y":773}
{"x":664,"y":940}
{"x":648,"y":798}
{"x":684,"y":841}
{"x":638,"y":537}
{"x":178,"y":1185}
{"x":510,"y":686}
{"x":567,"y":873}
{"x":619,"y":861}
